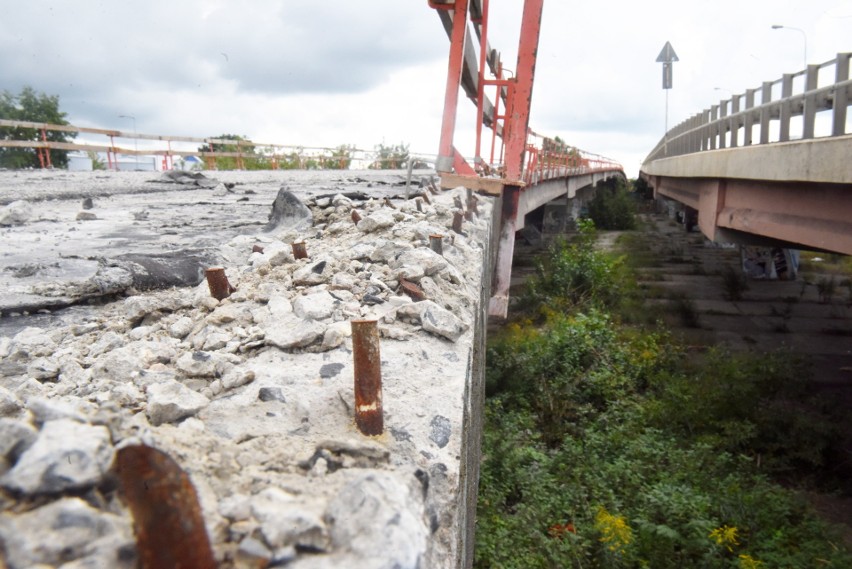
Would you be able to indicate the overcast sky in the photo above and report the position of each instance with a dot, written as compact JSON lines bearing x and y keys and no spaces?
{"x":331,"y":72}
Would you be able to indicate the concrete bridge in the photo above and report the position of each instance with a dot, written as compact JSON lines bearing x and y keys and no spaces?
{"x":775,"y":172}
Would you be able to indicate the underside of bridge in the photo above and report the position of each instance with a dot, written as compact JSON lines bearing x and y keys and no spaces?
{"x":802,"y":215}
{"x":797,"y":194}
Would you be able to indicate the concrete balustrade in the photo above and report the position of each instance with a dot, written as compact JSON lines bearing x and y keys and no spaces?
{"x":732,"y":122}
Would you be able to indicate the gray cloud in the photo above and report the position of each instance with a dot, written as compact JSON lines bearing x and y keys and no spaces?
{"x":93,"y":54}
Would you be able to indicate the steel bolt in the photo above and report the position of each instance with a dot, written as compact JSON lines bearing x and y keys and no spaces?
{"x":436,"y":243}
{"x":368,"y":377}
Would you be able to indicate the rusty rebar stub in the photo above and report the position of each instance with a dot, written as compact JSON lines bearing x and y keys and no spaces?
{"x":368,"y":377}
{"x":412,"y":290}
{"x":218,"y":283}
{"x":356,"y":217}
{"x":167,"y":518}
{"x":419,"y":203}
{"x":458,"y":219}
{"x":389,"y":204}
{"x":472,"y":202}
{"x":257,"y":249}
{"x":300,"y":250}
{"x":436,"y":243}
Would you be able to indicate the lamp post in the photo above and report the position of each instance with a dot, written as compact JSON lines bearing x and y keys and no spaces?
{"x":804,"y":38}
{"x":135,"y":140}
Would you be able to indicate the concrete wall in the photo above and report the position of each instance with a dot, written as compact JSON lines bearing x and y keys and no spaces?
{"x":474,"y":398}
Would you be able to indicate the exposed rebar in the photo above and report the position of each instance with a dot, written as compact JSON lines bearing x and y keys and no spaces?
{"x":300,"y":251}
{"x":458,"y":219}
{"x":170,"y":530}
{"x":436,"y":243}
{"x":218,"y":283}
{"x":368,"y":377}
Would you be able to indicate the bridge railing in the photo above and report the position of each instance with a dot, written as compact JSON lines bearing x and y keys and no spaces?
{"x":549,"y":158}
{"x":733,"y":122}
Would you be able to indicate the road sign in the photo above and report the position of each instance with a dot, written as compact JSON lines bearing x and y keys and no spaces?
{"x":667,"y":57}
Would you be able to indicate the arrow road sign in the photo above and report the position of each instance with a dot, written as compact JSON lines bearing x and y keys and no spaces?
{"x":667,"y":57}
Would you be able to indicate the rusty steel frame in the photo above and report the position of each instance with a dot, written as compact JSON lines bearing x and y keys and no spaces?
{"x":515,"y":125}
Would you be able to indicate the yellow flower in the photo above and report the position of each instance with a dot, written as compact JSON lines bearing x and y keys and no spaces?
{"x":726,"y":536}
{"x":749,"y":562}
{"x":614,"y":530}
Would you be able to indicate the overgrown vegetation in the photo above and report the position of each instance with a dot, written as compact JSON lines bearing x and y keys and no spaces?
{"x":605,"y":447}
{"x":614,"y":206}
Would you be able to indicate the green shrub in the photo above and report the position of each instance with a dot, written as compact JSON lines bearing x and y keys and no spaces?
{"x":757,"y":405}
{"x":574,"y":275}
{"x":603,"y":448}
{"x":613,"y":206}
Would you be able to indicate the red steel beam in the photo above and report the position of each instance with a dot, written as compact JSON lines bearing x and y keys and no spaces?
{"x":519,"y":109}
{"x":515,"y":140}
{"x":451,"y":97}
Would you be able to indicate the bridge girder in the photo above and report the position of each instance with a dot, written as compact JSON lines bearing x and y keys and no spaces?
{"x":807,"y":215}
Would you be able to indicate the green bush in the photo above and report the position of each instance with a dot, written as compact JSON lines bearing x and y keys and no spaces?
{"x":603,"y":449}
{"x":613,"y":206}
{"x":760,"y":405}
{"x":574,"y":275}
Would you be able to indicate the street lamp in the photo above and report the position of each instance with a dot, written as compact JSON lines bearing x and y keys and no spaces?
{"x":135,"y":140}
{"x":804,"y":37}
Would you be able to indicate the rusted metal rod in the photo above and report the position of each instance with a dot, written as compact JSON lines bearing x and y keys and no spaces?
{"x":169,"y":527}
{"x":356,"y":217}
{"x":412,"y":290}
{"x":300,"y":251}
{"x":436,"y":243}
{"x":218,"y":283}
{"x":368,"y":377}
{"x":472,"y":202}
{"x":458,"y":219}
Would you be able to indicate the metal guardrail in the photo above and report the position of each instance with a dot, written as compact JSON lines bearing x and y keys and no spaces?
{"x":271,"y":154}
{"x":732,"y":123}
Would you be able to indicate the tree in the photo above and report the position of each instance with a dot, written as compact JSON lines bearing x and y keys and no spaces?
{"x":31,"y":106}
{"x":613,"y":206}
{"x":390,"y":157}
{"x":338,"y":159}
{"x":249,"y":159}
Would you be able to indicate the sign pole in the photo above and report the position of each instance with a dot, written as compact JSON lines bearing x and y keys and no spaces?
{"x":667,"y":57}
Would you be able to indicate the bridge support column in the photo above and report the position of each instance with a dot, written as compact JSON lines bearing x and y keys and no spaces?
{"x":711,"y":201}
{"x":499,"y":304}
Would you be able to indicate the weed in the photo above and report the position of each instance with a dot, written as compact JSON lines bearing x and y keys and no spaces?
{"x":734,"y":283}
{"x":826,"y":287}
{"x":687,"y":312}
{"x":784,"y":315}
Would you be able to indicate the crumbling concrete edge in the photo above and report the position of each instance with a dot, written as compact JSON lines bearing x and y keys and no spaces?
{"x":474,"y":398}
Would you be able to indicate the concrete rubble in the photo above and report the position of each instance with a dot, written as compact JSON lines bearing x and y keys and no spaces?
{"x":253,"y":396}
